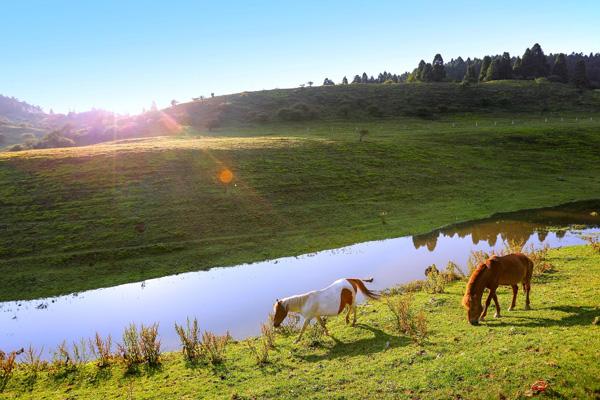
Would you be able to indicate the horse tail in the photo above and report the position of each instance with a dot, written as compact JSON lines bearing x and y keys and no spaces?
{"x":359,"y":285}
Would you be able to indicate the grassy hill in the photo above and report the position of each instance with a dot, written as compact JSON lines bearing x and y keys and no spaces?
{"x":556,"y":341}
{"x":79,"y":218}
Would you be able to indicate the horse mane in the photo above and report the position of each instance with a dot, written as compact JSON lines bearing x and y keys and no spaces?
{"x":295,"y":302}
{"x":473,"y":280}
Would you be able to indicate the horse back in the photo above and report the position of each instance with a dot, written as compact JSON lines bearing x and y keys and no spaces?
{"x":512,"y":268}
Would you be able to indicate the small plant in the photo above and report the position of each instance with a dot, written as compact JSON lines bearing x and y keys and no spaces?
{"x":150,"y":344}
{"x":435,"y":281}
{"x":81,"y":354}
{"x":513,"y":246}
{"x":453,"y":272}
{"x":407,"y":321}
{"x":539,"y":257}
{"x":268,"y":333}
{"x":593,"y":242}
{"x":102,"y":350}
{"x":62,"y":361}
{"x":362,"y":134}
{"x":476,"y":258}
{"x":189,"y":337}
{"x":7,"y":366}
{"x":315,"y":334}
{"x":129,"y":351}
{"x":32,"y":360}
{"x":260,"y":351}
{"x":213,"y":346}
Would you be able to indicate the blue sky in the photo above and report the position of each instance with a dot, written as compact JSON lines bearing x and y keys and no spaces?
{"x":122,"y":55}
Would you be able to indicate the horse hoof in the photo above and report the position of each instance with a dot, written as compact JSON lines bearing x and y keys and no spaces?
{"x":496,"y":315}
{"x":527,"y":307}
{"x":510,"y":309}
{"x":481,"y":319}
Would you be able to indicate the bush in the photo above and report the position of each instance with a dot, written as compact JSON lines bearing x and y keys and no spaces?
{"x":268,"y":332}
{"x":7,"y":366}
{"x":101,"y":350}
{"x":190,"y":341}
{"x":435,"y":281}
{"x":407,"y":321}
{"x":213,"y":346}
{"x":150,"y":344}
{"x":129,"y":351}
{"x":32,"y":360}
{"x":476,"y":258}
{"x":62,"y":361}
{"x":315,"y":334}
{"x":594,"y":242}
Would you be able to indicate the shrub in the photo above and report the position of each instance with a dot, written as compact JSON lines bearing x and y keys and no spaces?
{"x":129,"y":351}
{"x":32,"y":360}
{"x":593,"y":242}
{"x":539,"y":258}
{"x":213,"y":346}
{"x":7,"y":366}
{"x":453,"y":272}
{"x":101,"y":350}
{"x":260,"y":351}
{"x":362,"y":134}
{"x":407,"y":321}
{"x":190,"y":340}
{"x":315,"y":334}
{"x":475,"y":259}
{"x":150,"y":344}
{"x":80,"y":352}
{"x":268,"y":333}
{"x":435,"y":281}
{"x":62,"y":361}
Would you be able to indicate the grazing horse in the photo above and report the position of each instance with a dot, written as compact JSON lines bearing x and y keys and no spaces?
{"x":325,"y":302}
{"x":505,"y":270}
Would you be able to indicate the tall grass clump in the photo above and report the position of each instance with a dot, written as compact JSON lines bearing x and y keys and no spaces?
{"x":62,"y":360}
{"x":101,"y":350}
{"x":268,"y":332}
{"x":32,"y":360}
{"x":129,"y":350}
{"x":406,"y":319}
{"x":213,"y":346}
{"x":435,"y":281}
{"x":7,"y":367}
{"x":150,"y":344}
{"x":189,"y":336}
{"x":476,"y":258}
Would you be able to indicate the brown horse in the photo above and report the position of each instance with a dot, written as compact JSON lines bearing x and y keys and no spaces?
{"x":505,"y":270}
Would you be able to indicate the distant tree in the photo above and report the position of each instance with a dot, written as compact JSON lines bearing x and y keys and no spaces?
{"x":505,"y":67}
{"x":470,"y":75}
{"x":559,"y":70}
{"x":580,"y":78}
{"x":427,"y":75}
{"x":362,"y":133}
{"x":173,"y":103}
{"x":212,"y":95}
{"x":485,"y":65}
{"x":344,"y":81}
{"x":420,"y":69}
{"x":328,"y":82}
{"x":493,"y":72}
{"x":364,"y":78}
{"x":517,"y":73}
{"x":310,"y":83}
{"x":534,"y":64}
{"x":356,"y":79}
{"x":438,"y":73}
{"x":51,"y":112}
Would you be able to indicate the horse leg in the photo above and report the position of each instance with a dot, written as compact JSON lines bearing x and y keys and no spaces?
{"x":354,"y":314}
{"x":515,"y":289}
{"x":497,"y":315}
{"x":306,"y":322}
{"x":323,"y":325}
{"x":487,"y":304}
{"x":348,"y":315}
{"x":527,"y":288}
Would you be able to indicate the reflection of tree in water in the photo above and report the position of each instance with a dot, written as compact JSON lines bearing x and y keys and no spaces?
{"x":517,"y":227}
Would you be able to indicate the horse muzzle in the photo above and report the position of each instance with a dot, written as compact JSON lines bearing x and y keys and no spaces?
{"x":474,"y":322}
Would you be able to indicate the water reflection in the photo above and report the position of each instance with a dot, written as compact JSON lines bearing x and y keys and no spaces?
{"x":214,"y":296}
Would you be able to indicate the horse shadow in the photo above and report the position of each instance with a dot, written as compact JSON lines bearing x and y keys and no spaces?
{"x":576,"y":316}
{"x":380,"y":341}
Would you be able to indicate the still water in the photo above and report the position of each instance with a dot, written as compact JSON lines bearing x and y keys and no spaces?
{"x":238,"y":299}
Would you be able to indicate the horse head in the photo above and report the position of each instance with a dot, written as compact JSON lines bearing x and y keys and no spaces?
{"x":280,"y":312}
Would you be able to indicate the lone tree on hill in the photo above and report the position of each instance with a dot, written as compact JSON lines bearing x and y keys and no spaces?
{"x":559,"y":70}
{"x":310,"y":83}
{"x":344,"y":81}
{"x":580,"y":78}
{"x":485,"y":65}
{"x":438,"y":72}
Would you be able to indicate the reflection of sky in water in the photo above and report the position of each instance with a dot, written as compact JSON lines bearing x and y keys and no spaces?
{"x":239,"y":298}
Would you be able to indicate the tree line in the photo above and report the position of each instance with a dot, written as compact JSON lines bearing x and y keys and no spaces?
{"x":576,"y":68}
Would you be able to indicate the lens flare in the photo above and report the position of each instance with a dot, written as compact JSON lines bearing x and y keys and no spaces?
{"x":225,"y":176}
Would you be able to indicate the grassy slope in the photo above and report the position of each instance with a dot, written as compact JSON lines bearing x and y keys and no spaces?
{"x":556,"y":341}
{"x":68,"y":216}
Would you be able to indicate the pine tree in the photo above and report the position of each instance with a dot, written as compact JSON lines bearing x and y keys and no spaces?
{"x":420,"y":70}
{"x":356,"y":79}
{"x":364,"y":78}
{"x":485,"y":65}
{"x":438,"y":72}
{"x":533,"y":64}
{"x":427,"y":75}
{"x":470,"y":75}
{"x":505,"y":67}
{"x":560,"y":68}
{"x":517,"y":73}
{"x":494,"y":70}
{"x":344,"y":81}
{"x":580,"y":78}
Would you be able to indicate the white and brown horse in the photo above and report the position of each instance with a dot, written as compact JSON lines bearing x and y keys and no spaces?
{"x":325,"y":302}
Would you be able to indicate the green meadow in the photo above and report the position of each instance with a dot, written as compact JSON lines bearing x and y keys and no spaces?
{"x":73,"y":219}
{"x":557,"y":342}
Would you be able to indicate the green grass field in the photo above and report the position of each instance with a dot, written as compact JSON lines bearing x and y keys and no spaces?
{"x":80,"y":218}
{"x":502,"y":358}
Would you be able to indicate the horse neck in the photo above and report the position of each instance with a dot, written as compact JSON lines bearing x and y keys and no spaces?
{"x":477,"y":284}
{"x":295,"y":303}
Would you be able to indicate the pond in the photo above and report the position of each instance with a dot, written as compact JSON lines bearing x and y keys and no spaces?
{"x":238,"y":299}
